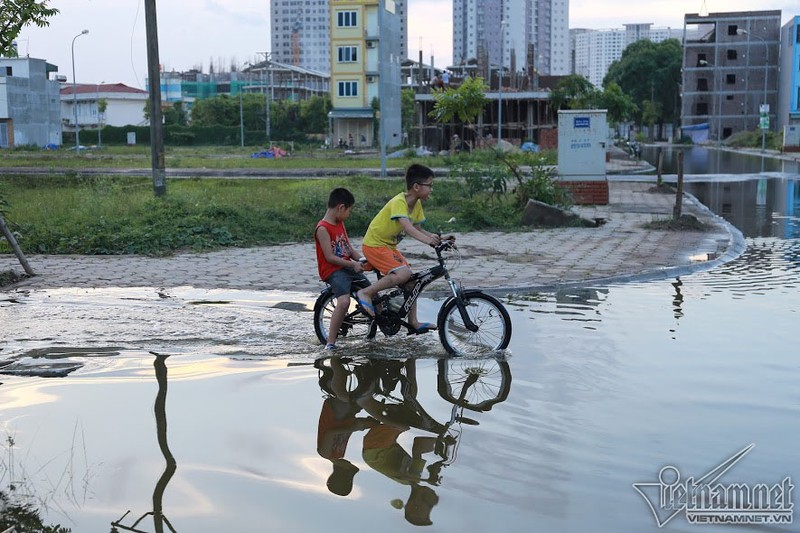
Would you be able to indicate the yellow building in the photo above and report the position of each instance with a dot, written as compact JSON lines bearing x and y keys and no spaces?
{"x":365,"y":46}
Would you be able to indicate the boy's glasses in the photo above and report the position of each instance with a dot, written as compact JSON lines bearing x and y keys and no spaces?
{"x":426,"y":185}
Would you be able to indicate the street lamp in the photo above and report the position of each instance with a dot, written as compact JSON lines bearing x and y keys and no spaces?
{"x":766,"y":74}
{"x":500,"y":86}
{"x":75,"y":92}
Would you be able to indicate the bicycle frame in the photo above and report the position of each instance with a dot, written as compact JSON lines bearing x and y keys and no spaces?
{"x":424,"y":278}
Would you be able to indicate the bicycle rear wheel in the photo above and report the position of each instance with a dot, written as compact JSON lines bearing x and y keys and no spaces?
{"x":487,"y":313}
{"x":355,"y":325}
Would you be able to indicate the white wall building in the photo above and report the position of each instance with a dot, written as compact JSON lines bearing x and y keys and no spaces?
{"x":496,"y":26}
{"x":124,"y":105}
{"x":300,"y":33}
{"x":595,"y":50}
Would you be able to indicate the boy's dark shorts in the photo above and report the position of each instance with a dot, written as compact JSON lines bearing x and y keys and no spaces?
{"x":342,"y":279}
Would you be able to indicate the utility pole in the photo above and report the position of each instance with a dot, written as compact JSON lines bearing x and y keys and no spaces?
{"x":267,"y":96}
{"x":154,"y":90}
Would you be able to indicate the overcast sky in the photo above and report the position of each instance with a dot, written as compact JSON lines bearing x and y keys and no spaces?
{"x":196,"y":32}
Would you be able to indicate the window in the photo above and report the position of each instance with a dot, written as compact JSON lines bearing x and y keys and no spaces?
{"x":702,"y":108}
{"x":728,"y":97}
{"x":732,"y":29}
{"x":730,"y":79}
{"x":348,"y":88}
{"x":347,"y":54}
{"x":732,"y":54}
{"x":347,"y":19}
{"x":9,"y":71}
{"x":702,"y":84}
{"x":726,"y":132}
{"x":701,"y":60}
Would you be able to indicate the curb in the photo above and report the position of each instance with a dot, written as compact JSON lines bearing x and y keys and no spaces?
{"x":735,"y":247}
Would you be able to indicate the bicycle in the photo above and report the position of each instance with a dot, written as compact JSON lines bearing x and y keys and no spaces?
{"x":469,"y":320}
{"x":473,"y":384}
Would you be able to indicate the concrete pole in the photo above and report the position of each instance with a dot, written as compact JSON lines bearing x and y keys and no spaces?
{"x":154,"y":75}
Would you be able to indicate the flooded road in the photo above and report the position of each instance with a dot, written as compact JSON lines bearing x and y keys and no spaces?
{"x":222,"y":430}
{"x":212,"y":410}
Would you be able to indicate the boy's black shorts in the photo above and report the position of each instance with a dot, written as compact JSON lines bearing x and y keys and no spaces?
{"x":342,"y":279}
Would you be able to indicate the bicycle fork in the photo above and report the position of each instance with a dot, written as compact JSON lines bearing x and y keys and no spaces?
{"x":461,"y":304}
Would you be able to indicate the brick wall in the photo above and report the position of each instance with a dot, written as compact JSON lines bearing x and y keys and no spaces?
{"x":548,"y":139}
{"x":587,"y":192}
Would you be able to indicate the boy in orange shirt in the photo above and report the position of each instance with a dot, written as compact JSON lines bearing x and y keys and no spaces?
{"x":337,"y":262}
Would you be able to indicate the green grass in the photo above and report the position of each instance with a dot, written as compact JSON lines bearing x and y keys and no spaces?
{"x":120,"y":215}
{"x":226,"y":157}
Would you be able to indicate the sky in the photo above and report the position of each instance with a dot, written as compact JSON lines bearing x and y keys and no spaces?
{"x":196,"y":32}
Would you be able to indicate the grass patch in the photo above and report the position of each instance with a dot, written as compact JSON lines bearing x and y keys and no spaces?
{"x":7,"y":277}
{"x":683,"y":223}
{"x":71,"y":214}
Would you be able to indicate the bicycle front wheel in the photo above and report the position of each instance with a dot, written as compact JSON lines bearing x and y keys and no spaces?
{"x":486,"y":312}
{"x":475,"y":384}
{"x":355,"y":325}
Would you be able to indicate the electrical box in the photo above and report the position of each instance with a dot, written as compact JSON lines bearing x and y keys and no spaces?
{"x":582,"y":139}
{"x":791,"y":135}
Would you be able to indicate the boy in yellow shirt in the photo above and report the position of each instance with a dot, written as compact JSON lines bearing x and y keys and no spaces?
{"x":401,"y":216}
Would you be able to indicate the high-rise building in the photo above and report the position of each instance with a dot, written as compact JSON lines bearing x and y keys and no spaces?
{"x":300,"y":32}
{"x":536,"y":30}
{"x":594,"y":50}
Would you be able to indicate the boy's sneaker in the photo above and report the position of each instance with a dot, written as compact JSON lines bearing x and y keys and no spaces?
{"x":330,"y":347}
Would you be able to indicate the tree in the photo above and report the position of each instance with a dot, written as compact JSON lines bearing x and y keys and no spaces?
{"x":575,"y":92}
{"x":620,"y":106}
{"x":176,"y":114}
{"x":650,"y":72}
{"x":464,"y":102}
{"x":16,"y":15}
{"x":407,"y":113}
{"x":314,"y":114}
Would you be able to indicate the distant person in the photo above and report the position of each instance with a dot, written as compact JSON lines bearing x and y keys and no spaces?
{"x":446,"y":78}
{"x":401,"y":216}
{"x":363,"y":140}
{"x":350,"y":140}
{"x":337,"y":261}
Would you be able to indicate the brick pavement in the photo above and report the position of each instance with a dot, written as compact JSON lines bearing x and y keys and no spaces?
{"x":529,"y":259}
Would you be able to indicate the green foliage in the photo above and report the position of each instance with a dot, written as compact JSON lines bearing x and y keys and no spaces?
{"x":407,"y":110}
{"x":23,"y":518}
{"x":531,"y":175}
{"x":176,"y":114}
{"x":115,"y":215}
{"x":575,"y":92}
{"x":620,"y":106}
{"x":464,"y":103}
{"x":752,"y":139}
{"x":288,"y":120}
{"x":16,"y":15}
{"x":650,"y":71}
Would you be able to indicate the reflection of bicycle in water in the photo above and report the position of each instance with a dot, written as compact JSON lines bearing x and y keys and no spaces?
{"x":470,"y":321}
{"x":386,"y":391}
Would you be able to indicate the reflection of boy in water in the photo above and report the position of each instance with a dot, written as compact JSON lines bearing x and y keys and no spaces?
{"x":337,"y":422}
{"x":384,"y":454}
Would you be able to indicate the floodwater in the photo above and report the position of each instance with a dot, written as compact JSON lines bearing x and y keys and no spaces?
{"x":702,"y":160}
{"x":207,"y":407}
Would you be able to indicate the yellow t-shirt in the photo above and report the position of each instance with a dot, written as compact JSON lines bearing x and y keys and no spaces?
{"x":385,"y":228}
